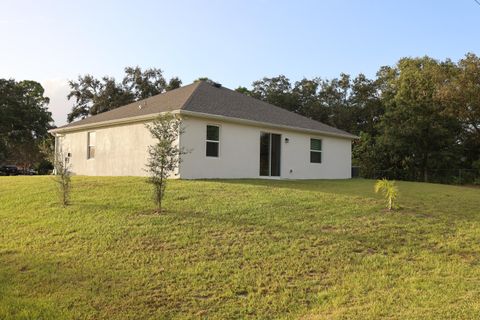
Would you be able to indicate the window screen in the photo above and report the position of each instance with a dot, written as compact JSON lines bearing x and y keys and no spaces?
{"x":213,"y":141}
{"x":91,"y":145}
{"x":315,"y":151}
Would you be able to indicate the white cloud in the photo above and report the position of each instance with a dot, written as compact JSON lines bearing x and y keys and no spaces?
{"x":57,"y":90}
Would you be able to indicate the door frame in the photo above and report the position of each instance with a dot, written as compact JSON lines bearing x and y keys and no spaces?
{"x":270,"y":145}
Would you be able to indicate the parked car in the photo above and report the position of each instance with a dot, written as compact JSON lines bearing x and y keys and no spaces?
{"x":9,"y":171}
{"x":29,"y":172}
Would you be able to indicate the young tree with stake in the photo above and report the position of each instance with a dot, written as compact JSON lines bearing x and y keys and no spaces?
{"x":164,"y":155}
{"x":62,"y":177}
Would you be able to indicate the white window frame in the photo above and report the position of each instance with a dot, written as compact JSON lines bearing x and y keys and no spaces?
{"x":269,"y":176}
{"x":89,"y":145}
{"x":317,"y":151}
{"x":214,"y":141}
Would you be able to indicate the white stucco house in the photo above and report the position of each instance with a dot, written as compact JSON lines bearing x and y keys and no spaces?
{"x":227,"y":134}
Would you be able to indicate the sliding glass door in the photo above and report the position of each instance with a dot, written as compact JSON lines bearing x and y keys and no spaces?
{"x":270,"y":145}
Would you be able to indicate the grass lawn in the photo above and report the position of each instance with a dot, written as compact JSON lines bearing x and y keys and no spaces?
{"x":238,"y":249}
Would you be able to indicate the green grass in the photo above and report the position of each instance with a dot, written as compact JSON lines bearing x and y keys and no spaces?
{"x":238,"y":249}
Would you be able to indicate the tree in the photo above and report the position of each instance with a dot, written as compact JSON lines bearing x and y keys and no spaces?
{"x":204,"y":79}
{"x":353,"y":106}
{"x":370,"y":156}
{"x":243,"y":90}
{"x":63,"y":177}
{"x":24,"y":122}
{"x":46,"y":148}
{"x":93,"y":96}
{"x":365,"y":105}
{"x":144,"y":84}
{"x":334,"y":95}
{"x":463,"y":92}
{"x":277,"y":91}
{"x":306,"y":96}
{"x":173,"y":83}
{"x":164,"y":155}
{"x":415,"y":129}
{"x":462,"y":95}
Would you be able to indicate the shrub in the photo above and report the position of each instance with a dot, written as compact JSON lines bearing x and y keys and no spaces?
{"x":44,"y":167}
{"x":389,"y":191}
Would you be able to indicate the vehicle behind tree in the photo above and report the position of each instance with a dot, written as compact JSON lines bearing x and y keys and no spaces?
{"x":9,"y":170}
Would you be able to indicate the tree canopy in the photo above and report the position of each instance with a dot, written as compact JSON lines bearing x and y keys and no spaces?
{"x":92,"y":96}
{"x":24,"y":122}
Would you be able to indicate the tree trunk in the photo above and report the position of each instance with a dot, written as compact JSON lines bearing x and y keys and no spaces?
{"x":425,"y":166}
{"x":160,"y":195}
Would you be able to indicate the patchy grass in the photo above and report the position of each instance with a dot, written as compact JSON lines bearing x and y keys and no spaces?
{"x":238,"y":249}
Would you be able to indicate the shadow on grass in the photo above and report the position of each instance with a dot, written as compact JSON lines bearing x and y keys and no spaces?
{"x":423,"y":199}
{"x":14,"y":305}
{"x":349,"y":187}
{"x":353,"y":187}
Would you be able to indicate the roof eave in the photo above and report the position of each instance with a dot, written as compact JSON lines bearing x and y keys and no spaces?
{"x":267,"y":124}
{"x":108,"y":123}
{"x":152,"y":116}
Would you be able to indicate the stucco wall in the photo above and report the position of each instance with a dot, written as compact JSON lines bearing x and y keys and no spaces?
{"x":240,"y":153}
{"x":119,"y":151}
{"x":122,"y":151}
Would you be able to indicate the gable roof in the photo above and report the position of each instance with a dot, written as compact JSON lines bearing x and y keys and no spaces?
{"x":204,"y":99}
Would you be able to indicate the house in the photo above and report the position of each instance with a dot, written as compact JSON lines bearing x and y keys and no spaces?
{"x":227,"y":134}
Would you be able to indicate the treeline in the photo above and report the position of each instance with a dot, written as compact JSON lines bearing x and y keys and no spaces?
{"x":419,"y":119}
{"x":416,"y":119}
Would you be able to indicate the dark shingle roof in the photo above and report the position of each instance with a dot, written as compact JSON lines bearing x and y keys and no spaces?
{"x":168,"y":101}
{"x":202,"y":97}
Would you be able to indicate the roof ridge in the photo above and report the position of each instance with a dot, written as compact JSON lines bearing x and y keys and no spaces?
{"x":187,"y":101}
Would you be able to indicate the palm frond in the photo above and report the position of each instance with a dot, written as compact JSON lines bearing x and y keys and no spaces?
{"x":389,"y":191}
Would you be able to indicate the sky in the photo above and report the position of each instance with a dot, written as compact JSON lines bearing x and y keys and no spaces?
{"x":231,"y":42}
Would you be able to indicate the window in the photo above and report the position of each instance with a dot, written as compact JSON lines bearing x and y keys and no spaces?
{"x":91,"y":145}
{"x":213,"y":141}
{"x":315,"y":151}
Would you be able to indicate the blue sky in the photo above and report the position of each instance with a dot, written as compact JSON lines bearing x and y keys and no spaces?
{"x":232,"y":42}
